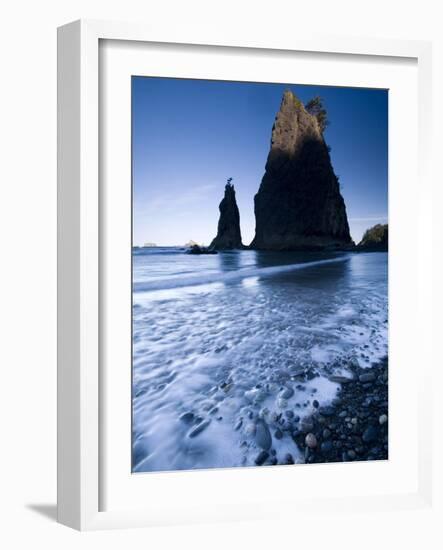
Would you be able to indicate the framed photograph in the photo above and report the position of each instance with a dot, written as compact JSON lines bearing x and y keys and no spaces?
{"x":242,"y":298}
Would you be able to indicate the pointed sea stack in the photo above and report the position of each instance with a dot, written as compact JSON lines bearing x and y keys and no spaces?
{"x":228,"y":233}
{"x":299,"y":204}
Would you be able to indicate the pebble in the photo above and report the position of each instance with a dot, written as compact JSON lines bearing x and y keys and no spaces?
{"x":351,"y":454}
{"x":315,"y":404}
{"x":199,"y":428}
{"x":383,"y":419}
{"x":326,"y":433}
{"x":261,"y":457}
{"x":238,"y":425}
{"x":278,"y":434}
{"x":286,"y":393}
{"x":263,"y":436}
{"x":340,"y":379}
{"x":187,"y":417}
{"x":289,"y":414}
{"x":288,"y":459}
{"x":367,"y":377}
{"x":311,"y":441}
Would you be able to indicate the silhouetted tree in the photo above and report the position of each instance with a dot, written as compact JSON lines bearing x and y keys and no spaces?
{"x":316,"y":108}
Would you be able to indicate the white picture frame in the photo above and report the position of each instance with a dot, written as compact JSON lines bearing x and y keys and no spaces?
{"x":80,"y":264}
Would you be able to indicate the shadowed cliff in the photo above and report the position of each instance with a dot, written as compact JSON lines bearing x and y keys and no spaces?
{"x":299,"y":204}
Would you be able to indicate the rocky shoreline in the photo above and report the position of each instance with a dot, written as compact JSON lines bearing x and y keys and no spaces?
{"x":353,"y":427}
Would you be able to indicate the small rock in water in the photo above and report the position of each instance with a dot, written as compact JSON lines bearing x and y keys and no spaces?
{"x":199,"y":428}
{"x":287,"y":393}
{"x":187,"y":417}
{"x":288,"y":459}
{"x":339,"y":379}
{"x":311,"y":441}
{"x":383,"y":419}
{"x":326,"y":433}
{"x":278,"y":434}
{"x":263,"y":436}
{"x":239,"y":424}
{"x":351,"y":454}
{"x":315,"y":404}
{"x":261,"y":457}
{"x":289,"y":414}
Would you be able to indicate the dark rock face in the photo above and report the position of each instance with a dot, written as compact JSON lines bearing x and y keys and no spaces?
{"x":375,"y":238}
{"x":298,"y":204}
{"x":196,"y":249}
{"x":228,"y":233}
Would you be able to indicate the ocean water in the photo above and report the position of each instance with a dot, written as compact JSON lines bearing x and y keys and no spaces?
{"x":216,"y":338}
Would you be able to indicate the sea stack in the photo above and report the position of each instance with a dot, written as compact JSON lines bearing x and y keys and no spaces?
{"x":228,"y":233}
{"x":299,"y":204}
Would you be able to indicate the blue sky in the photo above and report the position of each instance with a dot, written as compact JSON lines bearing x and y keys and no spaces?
{"x":189,"y":136}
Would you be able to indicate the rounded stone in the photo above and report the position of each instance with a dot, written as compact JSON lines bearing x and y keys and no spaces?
{"x":261,"y":457}
{"x":288,"y":459}
{"x":263,"y":436}
{"x":287,"y":393}
{"x":311,"y":441}
{"x":383,"y":419}
{"x":187,"y":417}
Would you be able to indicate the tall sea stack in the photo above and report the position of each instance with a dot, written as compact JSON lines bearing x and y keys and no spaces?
{"x":299,"y":204}
{"x":228,"y":233}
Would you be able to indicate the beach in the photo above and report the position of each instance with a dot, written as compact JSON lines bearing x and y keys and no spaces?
{"x":250,"y":358}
